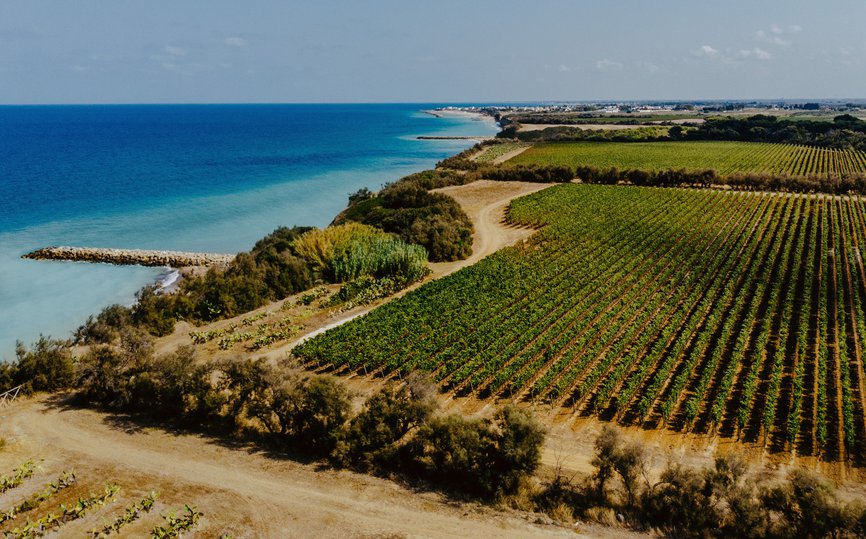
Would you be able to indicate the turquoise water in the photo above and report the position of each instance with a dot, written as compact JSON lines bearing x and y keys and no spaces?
{"x":198,"y":178}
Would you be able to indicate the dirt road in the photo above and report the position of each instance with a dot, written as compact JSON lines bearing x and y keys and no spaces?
{"x":485,"y":202}
{"x":241,"y":490}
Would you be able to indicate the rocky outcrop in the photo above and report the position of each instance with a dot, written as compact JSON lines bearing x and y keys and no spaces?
{"x":140,"y":257}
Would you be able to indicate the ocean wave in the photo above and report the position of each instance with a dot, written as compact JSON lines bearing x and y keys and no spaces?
{"x":168,"y":281}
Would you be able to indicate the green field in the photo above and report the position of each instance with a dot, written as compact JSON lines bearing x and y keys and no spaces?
{"x":724,"y":157}
{"x":488,"y":154}
{"x":714,"y":311}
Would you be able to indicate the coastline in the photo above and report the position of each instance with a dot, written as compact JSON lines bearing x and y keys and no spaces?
{"x":466,"y":114}
{"x":54,"y":298}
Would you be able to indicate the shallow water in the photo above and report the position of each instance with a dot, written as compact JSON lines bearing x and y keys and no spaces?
{"x":195,"y":178}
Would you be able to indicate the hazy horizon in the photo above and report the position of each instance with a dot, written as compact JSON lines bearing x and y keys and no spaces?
{"x":124,"y":52}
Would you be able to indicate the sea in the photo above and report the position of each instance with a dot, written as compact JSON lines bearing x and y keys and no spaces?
{"x":212,"y":178}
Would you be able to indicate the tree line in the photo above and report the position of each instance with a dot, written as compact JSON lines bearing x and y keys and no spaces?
{"x":399,"y":431}
{"x":744,"y":181}
{"x":843,"y":132}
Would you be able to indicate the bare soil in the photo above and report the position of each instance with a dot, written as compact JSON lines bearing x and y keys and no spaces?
{"x":241,"y":490}
{"x":485,"y":202}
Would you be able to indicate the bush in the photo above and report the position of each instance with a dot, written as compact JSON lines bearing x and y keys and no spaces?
{"x":527,"y":173}
{"x":615,"y":457}
{"x":156,"y":312}
{"x":680,"y":504}
{"x":371,"y":438}
{"x":436,"y":179}
{"x":572,"y":134}
{"x":723,"y":501}
{"x":313,"y":413}
{"x":482,"y":457}
{"x":46,"y":366}
{"x":320,"y":247}
{"x":381,"y":256}
{"x":454,"y":452}
{"x":432,"y":220}
{"x":823,"y":183}
{"x":106,"y":327}
{"x":269,"y":272}
{"x":305,"y":412}
{"x":808,"y":508}
{"x":348,"y":251}
{"x":102,"y":377}
{"x":171,"y":386}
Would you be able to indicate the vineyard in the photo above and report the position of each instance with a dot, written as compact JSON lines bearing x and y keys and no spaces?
{"x":489,"y":154}
{"x":58,"y":506}
{"x":725,"y":157}
{"x":740,"y":314}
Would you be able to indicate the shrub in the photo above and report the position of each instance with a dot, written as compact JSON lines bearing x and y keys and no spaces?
{"x":348,"y":251}
{"x":432,"y":220}
{"x":528,"y":173}
{"x":320,"y":247}
{"x":46,"y":366}
{"x":379,"y":256}
{"x":106,"y":327}
{"x":482,"y":457}
{"x":171,"y":385}
{"x":269,"y":272}
{"x":436,"y":179}
{"x":520,"y":438}
{"x":680,"y":504}
{"x":616,"y":457}
{"x":101,"y":377}
{"x":808,"y":508}
{"x":360,"y":195}
{"x":154,"y":312}
{"x":313,"y":413}
{"x":371,"y":438}
{"x":454,"y":452}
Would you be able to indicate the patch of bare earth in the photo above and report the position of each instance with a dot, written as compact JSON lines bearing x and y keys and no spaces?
{"x":485,"y":202}
{"x":241,"y":490}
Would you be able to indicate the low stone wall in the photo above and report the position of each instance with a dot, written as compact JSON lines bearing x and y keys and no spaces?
{"x":140,"y":257}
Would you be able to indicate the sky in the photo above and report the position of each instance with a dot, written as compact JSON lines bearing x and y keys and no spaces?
{"x":293,"y":51}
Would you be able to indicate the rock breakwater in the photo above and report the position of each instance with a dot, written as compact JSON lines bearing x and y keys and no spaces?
{"x":140,"y":257}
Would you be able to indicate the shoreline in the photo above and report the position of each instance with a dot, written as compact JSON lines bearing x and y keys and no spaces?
{"x":120,"y":285}
{"x":457,"y":113}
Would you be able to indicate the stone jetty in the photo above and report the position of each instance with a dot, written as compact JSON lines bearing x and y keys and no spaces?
{"x":461,"y":137}
{"x":140,"y":257}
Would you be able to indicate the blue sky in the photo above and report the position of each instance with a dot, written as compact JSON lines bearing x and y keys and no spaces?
{"x":154,"y":51}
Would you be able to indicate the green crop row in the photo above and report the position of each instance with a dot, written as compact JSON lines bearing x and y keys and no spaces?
{"x":704,"y":310}
{"x":724,"y":157}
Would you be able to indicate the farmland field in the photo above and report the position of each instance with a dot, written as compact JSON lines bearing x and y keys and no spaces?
{"x":735,"y":313}
{"x":490,"y":153}
{"x":724,"y":157}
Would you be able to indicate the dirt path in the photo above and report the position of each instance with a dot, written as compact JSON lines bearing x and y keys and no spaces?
{"x":513,"y":153}
{"x":241,"y":490}
{"x":485,"y":202}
